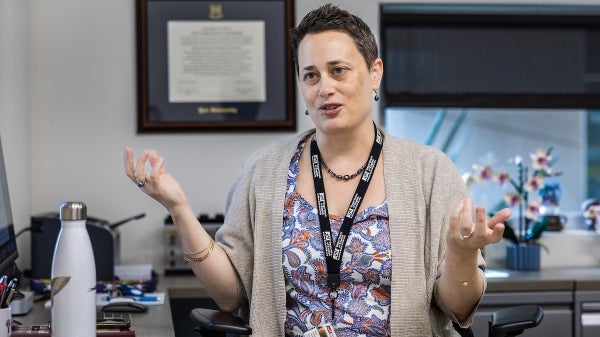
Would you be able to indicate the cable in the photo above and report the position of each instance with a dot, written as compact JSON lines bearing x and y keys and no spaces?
{"x":22,"y":231}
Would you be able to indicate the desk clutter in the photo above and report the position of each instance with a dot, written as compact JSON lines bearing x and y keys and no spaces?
{"x":105,"y":238}
{"x":20,"y":302}
{"x":8,"y":288}
{"x":62,"y":245}
{"x":133,"y":283}
{"x":44,"y":330}
{"x":107,"y":325}
{"x":123,"y":293}
{"x":140,"y":276}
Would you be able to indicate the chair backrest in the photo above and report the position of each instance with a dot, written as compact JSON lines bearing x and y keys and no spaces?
{"x":214,"y":323}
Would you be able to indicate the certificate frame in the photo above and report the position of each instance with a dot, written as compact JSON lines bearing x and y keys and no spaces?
{"x":264,"y":67}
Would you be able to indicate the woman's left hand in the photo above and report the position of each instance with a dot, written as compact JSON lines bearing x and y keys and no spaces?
{"x":467,"y":233}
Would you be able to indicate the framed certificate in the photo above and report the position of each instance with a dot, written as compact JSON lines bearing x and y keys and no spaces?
{"x":215,"y":66}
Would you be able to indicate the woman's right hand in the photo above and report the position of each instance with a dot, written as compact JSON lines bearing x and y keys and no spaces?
{"x":157,"y":183}
{"x":216,"y":273}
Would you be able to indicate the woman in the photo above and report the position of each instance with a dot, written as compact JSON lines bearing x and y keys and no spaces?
{"x":341,"y":226}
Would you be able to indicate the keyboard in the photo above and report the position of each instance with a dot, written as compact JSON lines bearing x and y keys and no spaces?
{"x":112,"y":320}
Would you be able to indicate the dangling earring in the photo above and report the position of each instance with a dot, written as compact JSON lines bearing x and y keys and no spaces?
{"x":306,"y":112}
{"x":376,"y":95}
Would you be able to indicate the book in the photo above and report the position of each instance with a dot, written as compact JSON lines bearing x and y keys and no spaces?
{"x":114,"y":333}
{"x":44,"y":330}
{"x":30,"y":330}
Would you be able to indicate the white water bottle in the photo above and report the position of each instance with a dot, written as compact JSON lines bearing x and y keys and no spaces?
{"x":73,"y":276}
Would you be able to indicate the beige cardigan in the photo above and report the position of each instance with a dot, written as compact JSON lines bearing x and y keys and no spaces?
{"x":422,"y":188}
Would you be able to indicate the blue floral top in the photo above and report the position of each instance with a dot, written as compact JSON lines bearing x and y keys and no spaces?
{"x":363,"y":304}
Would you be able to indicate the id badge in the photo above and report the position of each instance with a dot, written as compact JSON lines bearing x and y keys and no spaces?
{"x":325,"y":330}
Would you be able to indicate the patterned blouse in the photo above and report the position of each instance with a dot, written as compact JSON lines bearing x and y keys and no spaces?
{"x":363,"y":304}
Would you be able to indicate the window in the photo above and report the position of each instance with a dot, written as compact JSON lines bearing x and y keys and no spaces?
{"x":493,"y":136}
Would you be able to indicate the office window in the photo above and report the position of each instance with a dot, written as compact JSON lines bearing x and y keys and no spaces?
{"x":493,"y":136}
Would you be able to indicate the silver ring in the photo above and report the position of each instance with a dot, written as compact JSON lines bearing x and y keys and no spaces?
{"x":462,"y":237}
{"x":141,"y":183}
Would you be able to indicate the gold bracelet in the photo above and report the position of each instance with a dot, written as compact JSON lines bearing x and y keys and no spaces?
{"x":466,"y":283}
{"x":203,"y":251}
{"x":192,"y":257}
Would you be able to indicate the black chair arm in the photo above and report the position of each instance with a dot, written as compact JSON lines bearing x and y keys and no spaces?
{"x":514,"y":320}
{"x":219,"y":321}
{"x":508,"y":322}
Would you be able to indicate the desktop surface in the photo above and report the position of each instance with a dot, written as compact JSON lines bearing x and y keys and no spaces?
{"x":183,"y":289}
{"x":156,"y":322}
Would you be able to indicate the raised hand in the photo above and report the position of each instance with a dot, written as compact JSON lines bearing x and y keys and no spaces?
{"x":473,"y":230}
{"x":157,"y":183}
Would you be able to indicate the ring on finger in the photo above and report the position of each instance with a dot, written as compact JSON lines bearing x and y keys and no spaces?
{"x":141,"y":183}
{"x":462,"y":237}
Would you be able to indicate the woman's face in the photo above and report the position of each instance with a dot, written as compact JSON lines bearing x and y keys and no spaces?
{"x":336,"y":84}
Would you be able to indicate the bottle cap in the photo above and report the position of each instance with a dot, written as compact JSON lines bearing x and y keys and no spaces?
{"x":73,"y":210}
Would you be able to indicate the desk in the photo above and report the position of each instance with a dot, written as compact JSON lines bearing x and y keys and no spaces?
{"x":156,"y":322}
{"x":565,"y":294}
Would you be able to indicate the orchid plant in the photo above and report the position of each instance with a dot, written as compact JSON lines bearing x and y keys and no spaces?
{"x":529,"y":195}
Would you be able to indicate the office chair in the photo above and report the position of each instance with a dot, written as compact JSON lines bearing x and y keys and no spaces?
{"x":508,"y":322}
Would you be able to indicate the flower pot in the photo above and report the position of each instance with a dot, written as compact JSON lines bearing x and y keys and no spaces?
{"x":523,"y":256}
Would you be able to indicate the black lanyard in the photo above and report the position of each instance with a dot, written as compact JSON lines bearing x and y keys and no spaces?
{"x":333,"y":254}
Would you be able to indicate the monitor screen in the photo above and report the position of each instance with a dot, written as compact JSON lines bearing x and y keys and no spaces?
{"x":8,"y":244}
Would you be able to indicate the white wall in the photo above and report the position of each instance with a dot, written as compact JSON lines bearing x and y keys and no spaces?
{"x":15,"y":119}
{"x":68,"y":108}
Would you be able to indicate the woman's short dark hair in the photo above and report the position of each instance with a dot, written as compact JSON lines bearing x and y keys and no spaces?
{"x":330,"y":17}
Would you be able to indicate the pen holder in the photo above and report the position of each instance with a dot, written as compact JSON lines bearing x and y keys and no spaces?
{"x":5,"y":322}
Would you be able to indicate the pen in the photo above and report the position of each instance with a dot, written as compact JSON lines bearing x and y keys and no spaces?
{"x":11,"y":293}
{"x":5,"y":292}
{"x":3,"y":283}
{"x":2,"y":290}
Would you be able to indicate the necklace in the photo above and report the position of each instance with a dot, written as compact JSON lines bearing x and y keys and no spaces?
{"x":344,"y":177}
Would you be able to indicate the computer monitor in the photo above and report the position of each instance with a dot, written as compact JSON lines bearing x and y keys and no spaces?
{"x":8,"y":242}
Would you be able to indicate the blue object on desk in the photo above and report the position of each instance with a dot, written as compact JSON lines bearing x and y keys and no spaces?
{"x":143,"y":298}
{"x":146,"y":298}
{"x":129,"y":290}
{"x":42,"y":286}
